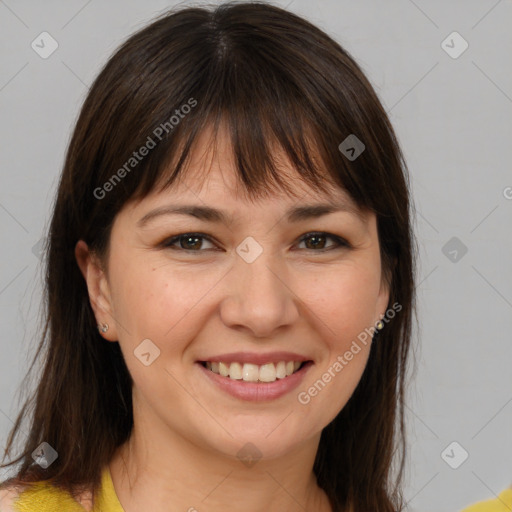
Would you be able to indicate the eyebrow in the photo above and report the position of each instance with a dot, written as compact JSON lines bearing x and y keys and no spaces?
{"x":209,"y":214}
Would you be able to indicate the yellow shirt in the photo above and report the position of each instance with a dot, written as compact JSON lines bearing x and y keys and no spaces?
{"x":503,"y":503}
{"x":43,"y":497}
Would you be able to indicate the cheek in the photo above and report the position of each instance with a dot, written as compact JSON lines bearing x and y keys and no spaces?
{"x":343,"y":301}
{"x":159,"y":300}
{"x":343,"y":306}
{"x":343,"y":309}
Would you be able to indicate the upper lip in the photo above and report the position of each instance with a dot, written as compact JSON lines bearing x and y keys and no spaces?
{"x":256,"y":358}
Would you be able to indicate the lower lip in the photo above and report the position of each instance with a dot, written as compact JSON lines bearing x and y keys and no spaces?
{"x":257,"y":391}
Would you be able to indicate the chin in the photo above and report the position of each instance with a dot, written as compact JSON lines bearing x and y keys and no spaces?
{"x":260,"y":437}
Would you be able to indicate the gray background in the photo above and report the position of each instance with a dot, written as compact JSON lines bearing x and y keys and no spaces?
{"x":453,"y":117}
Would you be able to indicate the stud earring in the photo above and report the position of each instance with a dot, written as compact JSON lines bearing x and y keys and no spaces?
{"x":380,"y":325}
{"x":103,"y":327}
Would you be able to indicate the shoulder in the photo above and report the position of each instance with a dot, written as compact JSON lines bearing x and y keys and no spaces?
{"x":8,"y":495}
{"x":501,"y":503}
{"x":44,"y":496}
{"x":6,"y":499}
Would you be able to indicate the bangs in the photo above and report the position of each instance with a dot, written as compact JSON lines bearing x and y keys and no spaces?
{"x":269,"y":96}
{"x":283,"y":99}
{"x":267,"y":129}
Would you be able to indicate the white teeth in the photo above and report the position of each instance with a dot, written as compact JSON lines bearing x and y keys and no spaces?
{"x":235,"y":371}
{"x":224,"y":369}
{"x":281,"y":370}
{"x":267,"y":373}
{"x":249,"y":372}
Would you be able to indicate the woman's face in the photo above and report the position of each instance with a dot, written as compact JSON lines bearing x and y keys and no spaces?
{"x":252,"y":291}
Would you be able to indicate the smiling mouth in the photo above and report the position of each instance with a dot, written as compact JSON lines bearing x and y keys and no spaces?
{"x":248,"y":372}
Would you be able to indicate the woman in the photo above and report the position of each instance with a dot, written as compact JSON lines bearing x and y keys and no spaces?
{"x":230,"y":280}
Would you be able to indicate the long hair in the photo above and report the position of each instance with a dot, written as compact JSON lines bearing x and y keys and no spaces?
{"x":277,"y":81}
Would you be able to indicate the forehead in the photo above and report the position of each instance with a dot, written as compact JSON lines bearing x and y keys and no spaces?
{"x":211,"y":171}
{"x":217,"y":203}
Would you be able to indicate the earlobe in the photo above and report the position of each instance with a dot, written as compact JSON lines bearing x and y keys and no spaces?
{"x":97,"y":286}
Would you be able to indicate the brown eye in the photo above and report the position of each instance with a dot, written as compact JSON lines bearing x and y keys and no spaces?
{"x":192,"y":242}
{"x":317,"y":241}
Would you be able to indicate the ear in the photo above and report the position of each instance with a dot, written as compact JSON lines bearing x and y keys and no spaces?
{"x":382,"y":301}
{"x":384,"y":293}
{"x":98,"y":287}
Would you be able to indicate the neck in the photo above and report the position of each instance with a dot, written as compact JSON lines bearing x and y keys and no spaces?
{"x":159,"y":470}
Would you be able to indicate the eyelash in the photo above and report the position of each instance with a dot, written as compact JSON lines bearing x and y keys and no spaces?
{"x":340,"y":242}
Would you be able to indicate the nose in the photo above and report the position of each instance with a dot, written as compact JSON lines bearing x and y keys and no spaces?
{"x":257,"y":297}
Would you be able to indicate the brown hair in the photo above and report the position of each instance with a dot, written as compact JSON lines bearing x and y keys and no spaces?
{"x":276,"y":79}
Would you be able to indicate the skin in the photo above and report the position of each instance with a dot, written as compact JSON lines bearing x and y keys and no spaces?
{"x":293,"y":297}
